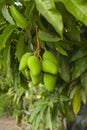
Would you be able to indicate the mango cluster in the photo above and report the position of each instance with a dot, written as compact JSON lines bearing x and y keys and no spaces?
{"x":44,"y":71}
{"x":33,"y":64}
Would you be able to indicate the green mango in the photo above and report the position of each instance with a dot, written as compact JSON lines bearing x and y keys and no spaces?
{"x":23,"y":61}
{"x":34,"y":65}
{"x":47,"y":55}
{"x":49,"y":81}
{"x":36,"y":79}
{"x":50,"y":67}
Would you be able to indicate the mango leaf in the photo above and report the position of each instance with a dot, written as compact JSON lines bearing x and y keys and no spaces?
{"x":71,"y":94}
{"x":71,"y":29}
{"x":40,"y":24}
{"x":76,"y":102}
{"x":79,"y":54}
{"x":65,"y":44}
{"x":84,"y":79}
{"x":2,"y":2}
{"x":64,"y":69}
{"x":69,"y":113}
{"x":35,"y":113}
{"x":18,"y":17}
{"x":2,"y":27}
{"x":44,"y":36}
{"x":7,"y":15}
{"x":60,"y":49}
{"x":83,"y":96}
{"x":48,"y":119}
{"x":5,"y":35}
{"x":76,"y":8}
{"x":48,"y":9}
{"x":56,"y":124}
{"x":6,"y":63}
{"x":6,"y":55}
{"x":79,"y":68}
{"x":2,"y":22}
{"x":63,"y":98}
{"x":84,"y":82}
{"x":62,"y":107}
{"x":20,"y":47}
{"x":39,"y":118}
{"x":42,"y":102}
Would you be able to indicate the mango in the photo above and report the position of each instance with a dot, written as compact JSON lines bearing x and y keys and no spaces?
{"x":34,"y":65}
{"x":50,"y":67}
{"x":35,"y":79}
{"x":23,"y":61}
{"x":49,"y":81}
{"x":47,"y":55}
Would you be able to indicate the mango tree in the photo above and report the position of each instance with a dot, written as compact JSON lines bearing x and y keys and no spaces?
{"x":43,"y":59}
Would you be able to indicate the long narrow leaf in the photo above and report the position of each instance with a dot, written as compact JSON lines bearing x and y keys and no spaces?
{"x":48,"y":10}
{"x":48,"y":37}
{"x":39,"y":118}
{"x":84,"y":80}
{"x":20,"y":46}
{"x":79,"y":54}
{"x":76,"y":102}
{"x":60,"y":49}
{"x":5,"y":35}
{"x":48,"y":119}
{"x":64,"y":69}
{"x":35,"y":113}
{"x":7,"y":15}
{"x":77,"y":8}
{"x":80,"y":67}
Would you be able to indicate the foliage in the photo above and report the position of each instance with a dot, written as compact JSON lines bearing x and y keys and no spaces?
{"x":58,"y":26}
{"x":7,"y":107}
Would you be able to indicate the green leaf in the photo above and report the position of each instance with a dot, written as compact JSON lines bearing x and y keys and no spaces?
{"x":71,"y":29}
{"x":5,"y":35}
{"x":20,"y":48}
{"x":7,"y":15}
{"x":2,"y":27}
{"x":5,"y":57}
{"x":6,"y":60}
{"x":83,"y":96}
{"x":48,"y":119}
{"x":62,"y":107}
{"x":44,"y":36}
{"x":79,"y":54}
{"x":64,"y":69}
{"x":6,"y":63}
{"x":39,"y":118}
{"x":2,"y":2}
{"x":48,"y":10}
{"x":79,"y":68}
{"x":71,"y":94}
{"x":77,"y":8}
{"x":69,"y":113}
{"x":63,"y":98}
{"x":76,"y":102}
{"x":60,"y":49}
{"x":84,"y":80}
{"x":40,"y":24}
{"x":20,"y":20}
{"x":42,"y":102}
{"x":35,"y":113}
{"x":56,"y":121}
